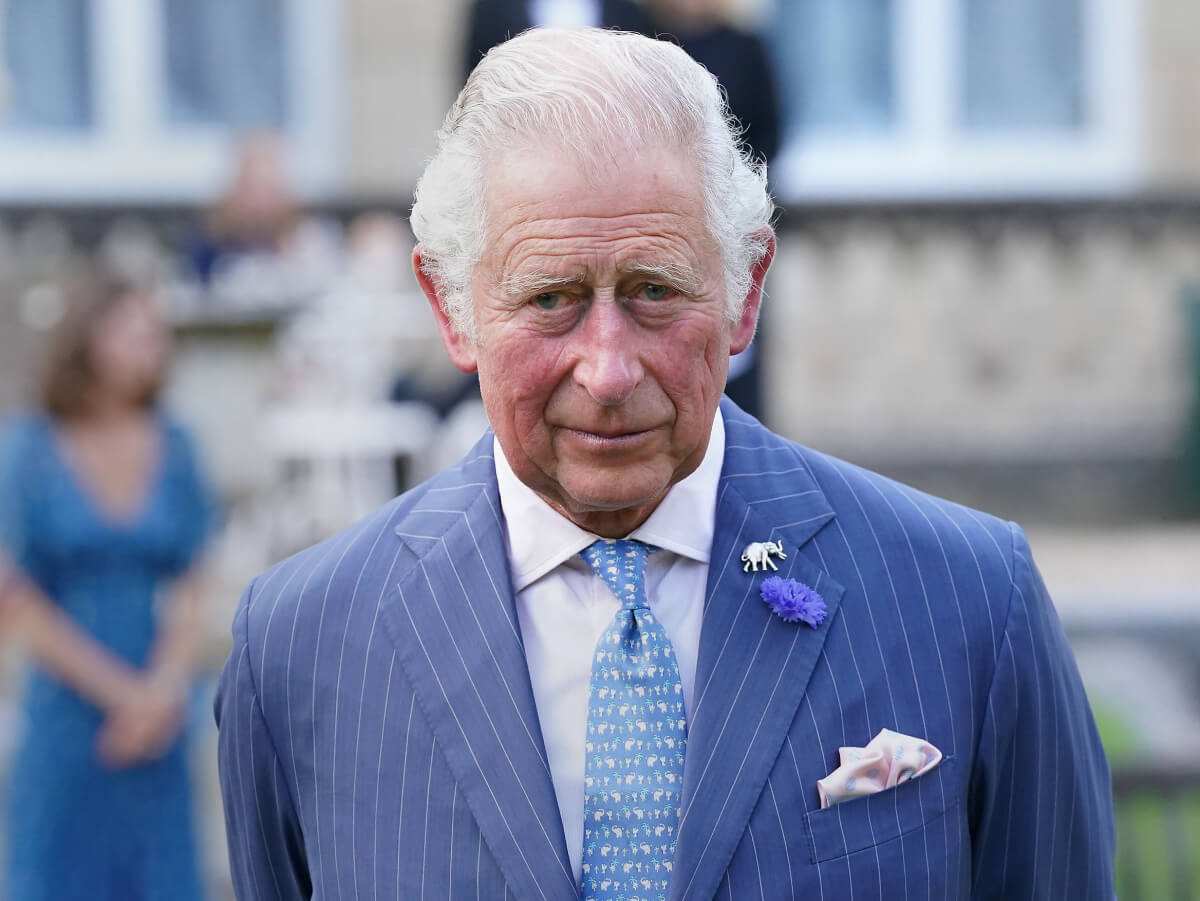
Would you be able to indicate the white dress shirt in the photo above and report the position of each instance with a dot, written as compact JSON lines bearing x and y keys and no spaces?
{"x":564,"y":608}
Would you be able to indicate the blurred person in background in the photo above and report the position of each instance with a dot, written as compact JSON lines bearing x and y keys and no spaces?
{"x":492,"y":22}
{"x":257,"y":212}
{"x":740,"y":62}
{"x":103,"y":517}
{"x":738,"y":59}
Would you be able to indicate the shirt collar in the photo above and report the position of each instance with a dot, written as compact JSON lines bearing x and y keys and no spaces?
{"x":540,"y":538}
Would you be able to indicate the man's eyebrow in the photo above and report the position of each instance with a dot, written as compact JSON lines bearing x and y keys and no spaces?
{"x":527,"y":284}
{"x":685,"y":278}
{"x":530,"y":283}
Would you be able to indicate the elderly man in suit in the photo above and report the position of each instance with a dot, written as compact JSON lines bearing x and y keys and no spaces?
{"x":547,"y":673}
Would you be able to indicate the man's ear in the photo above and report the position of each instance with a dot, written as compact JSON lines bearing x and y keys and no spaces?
{"x":743,"y":329}
{"x":459,"y":347}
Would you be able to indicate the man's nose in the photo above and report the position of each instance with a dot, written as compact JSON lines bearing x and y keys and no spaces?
{"x":608,"y":364}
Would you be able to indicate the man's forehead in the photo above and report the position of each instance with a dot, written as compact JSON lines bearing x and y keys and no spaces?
{"x":582,"y":245}
{"x":588,"y":170}
{"x":558,"y":220}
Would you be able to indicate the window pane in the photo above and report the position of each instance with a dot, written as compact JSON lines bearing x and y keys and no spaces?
{"x":836,"y":64}
{"x":225,"y":62}
{"x":1023,"y":64}
{"x":48,"y":58}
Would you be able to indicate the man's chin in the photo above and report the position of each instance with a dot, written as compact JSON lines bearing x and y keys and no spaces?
{"x":589,"y":498}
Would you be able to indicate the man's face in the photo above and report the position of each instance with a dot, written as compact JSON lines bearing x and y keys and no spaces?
{"x":603,"y":341}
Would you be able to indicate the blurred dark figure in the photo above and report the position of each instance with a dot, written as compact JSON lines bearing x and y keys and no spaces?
{"x":740,"y":63}
{"x":492,"y":22}
{"x":257,"y":213}
{"x":737,"y":58}
{"x":103,"y":513}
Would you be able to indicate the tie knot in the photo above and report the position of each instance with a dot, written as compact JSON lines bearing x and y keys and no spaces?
{"x":621,"y":563}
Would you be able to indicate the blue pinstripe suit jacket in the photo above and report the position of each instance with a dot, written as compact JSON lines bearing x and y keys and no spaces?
{"x":379,"y":739}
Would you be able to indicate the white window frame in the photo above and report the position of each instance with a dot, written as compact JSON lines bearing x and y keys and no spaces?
{"x":132,"y":153}
{"x":928,"y":156}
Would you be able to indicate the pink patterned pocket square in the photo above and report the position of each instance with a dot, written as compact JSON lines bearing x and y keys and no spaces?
{"x":888,"y":759}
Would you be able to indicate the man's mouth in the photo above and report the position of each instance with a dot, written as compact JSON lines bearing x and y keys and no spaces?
{"x":607,"y":438}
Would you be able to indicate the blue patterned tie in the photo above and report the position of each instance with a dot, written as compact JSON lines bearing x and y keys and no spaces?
{"x":636,"y":737}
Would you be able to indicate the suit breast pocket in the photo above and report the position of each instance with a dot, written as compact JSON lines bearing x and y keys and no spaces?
{"x":875,"y":819}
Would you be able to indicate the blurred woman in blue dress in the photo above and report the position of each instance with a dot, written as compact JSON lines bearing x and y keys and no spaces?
{"x":103,"y":517}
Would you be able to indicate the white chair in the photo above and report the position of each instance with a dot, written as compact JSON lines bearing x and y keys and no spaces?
{"x":333,"y":464}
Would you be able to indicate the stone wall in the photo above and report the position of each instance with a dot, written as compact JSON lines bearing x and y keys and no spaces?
{"x":1039,"y":367}
{"x":983,"y":337}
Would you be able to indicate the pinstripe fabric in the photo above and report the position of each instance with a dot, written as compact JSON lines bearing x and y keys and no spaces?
{"x":379,"y":738}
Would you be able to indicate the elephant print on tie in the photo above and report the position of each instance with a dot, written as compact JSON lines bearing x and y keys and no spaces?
{"x":636,"y":740}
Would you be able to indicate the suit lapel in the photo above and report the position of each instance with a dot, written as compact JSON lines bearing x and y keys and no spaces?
{"x":753,"y":667}
{"x":453,"y":620}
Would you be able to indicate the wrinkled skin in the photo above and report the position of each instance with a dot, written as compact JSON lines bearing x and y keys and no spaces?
{"x":603,"y":340}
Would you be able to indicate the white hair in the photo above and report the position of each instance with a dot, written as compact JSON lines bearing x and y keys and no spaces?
{"x":588,"y":89}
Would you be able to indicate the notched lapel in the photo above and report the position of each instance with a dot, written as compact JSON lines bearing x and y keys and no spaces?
{"x":753,"y":667}
{"x":453,"y":621}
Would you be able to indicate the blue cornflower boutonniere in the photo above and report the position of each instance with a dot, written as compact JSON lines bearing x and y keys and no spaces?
{"x":793,"y":601}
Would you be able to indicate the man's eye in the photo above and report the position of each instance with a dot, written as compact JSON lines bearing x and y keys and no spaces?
{"x":548,"y":300}
{"x":656,"y":292}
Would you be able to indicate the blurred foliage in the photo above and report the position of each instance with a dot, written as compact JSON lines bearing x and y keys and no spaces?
{"x":1158,"y":836}
{"x":1145,"y":866}
{"x":1191,"y":447}
{"x":1119,"y":737}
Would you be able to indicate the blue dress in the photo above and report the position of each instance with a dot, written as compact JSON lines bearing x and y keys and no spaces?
{"x":76,"y":829}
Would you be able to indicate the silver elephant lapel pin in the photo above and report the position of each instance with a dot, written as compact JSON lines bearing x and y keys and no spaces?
{"x":759,"y":553}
